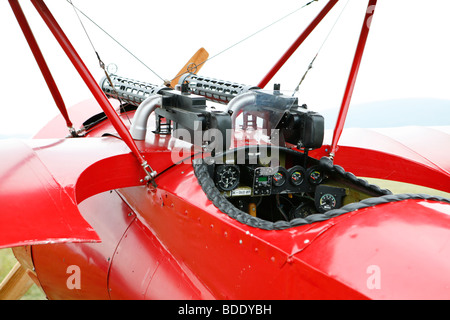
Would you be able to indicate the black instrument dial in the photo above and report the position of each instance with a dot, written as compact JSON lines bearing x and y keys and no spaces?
{"x":227,"y":177}
{"x":280,"y":177}
{"x":297,"y":175}
{"x":327,"y":202}
{"x":329,"y":197}
{"x":315,"y":176}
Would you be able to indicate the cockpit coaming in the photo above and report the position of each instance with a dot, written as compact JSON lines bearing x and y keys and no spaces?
{"x":297,"y":190}
{"x":255,"y":165}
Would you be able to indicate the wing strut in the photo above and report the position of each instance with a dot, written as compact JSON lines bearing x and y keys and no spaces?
{"x":98,"y":94}
{"x":297,"y":43}
{"x":352,"y":77}
{"x":23,"y":23}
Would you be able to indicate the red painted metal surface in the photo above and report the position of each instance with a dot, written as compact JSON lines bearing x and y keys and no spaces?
{"x":110,"y":217}
{"x":297,"y":43}
{"x":155,"y":275}
{"x":352,"y":77}
{"x":406,"y":242}
{"x":21,"y":19}
{"x":28,"y":194}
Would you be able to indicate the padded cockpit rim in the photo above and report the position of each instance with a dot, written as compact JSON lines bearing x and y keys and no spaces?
{"x":222,"y":203}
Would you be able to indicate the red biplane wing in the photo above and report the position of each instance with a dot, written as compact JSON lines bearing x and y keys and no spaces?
{"x":420,"y":144}
{"x":34,"y":207}
{"x":42,"y":181}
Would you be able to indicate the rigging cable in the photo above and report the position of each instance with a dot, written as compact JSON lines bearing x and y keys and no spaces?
{"x":318,"y":51}
{"x":255,"y":33}
{"x":116,"y":41}
{"x":101,"y":63}
{"x":217,"y":54}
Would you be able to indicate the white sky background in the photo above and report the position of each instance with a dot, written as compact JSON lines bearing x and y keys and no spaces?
{"x":407,"y":54}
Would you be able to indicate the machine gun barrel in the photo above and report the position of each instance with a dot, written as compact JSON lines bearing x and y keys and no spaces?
{"x":128,"y":90}
{"x":213,"y":89}
{"x":134,"y":92}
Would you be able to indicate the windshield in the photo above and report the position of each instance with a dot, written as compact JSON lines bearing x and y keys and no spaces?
{"x":259,"y":111}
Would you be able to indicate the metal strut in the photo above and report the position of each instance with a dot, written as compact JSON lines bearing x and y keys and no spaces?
{"x":297,"y":43}
{"x":26,"y":30}
{"x":352,"y":77}
{"x":98,"y":94}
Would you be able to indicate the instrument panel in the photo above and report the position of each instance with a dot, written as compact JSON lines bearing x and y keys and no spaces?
{"x":265,"y":181}
{"x":287,"y":186}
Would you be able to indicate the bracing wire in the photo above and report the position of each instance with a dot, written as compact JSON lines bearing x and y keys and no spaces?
{"x":116,"y":41}
{"x":297,"y":88}
{"x":101,"y":63}
{"x":260,"y":30}
{"x":210,"y":58}
{"x":254,"y":33}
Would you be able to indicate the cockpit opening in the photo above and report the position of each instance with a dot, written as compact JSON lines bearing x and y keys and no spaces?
{"x":297,"y":190}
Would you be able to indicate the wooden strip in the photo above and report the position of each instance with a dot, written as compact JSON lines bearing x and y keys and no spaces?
{"x":15,"y":284}
{"x":23,"y":255}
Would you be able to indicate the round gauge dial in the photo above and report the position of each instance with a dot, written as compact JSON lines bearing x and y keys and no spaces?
{"x":227,"y":177}
{"x":278,"y":179}
{"x":297,"y":175}
{"x":315,"y":176}
{"x":327,"y":202}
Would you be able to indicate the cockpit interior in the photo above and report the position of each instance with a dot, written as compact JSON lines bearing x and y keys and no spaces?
{"x":285,"y":187}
